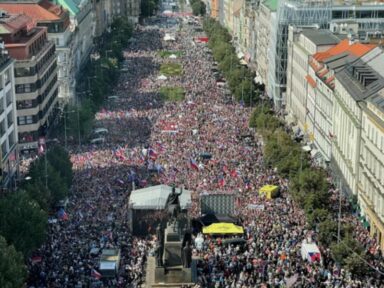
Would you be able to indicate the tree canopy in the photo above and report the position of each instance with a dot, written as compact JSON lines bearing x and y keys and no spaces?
{"x":22,"y":222}
{"x":12,"y":268}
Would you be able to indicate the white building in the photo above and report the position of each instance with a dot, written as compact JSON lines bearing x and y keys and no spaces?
{"x":355,"y":83}
{"x":8,"y":127}
{"x":302,"y":43}
{"x":264,"y":22}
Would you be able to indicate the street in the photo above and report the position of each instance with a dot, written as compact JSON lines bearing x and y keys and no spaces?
{"x":152,"y":141}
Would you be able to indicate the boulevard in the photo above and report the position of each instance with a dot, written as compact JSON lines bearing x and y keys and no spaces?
{"x":140,"y":149}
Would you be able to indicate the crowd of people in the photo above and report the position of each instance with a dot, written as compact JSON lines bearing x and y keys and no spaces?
{"x":202,"y":143}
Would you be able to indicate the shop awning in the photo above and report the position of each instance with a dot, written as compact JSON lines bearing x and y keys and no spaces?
{"x":223,"y":228}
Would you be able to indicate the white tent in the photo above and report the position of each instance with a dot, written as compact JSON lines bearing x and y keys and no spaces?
{"x":167,"y":12}
{"x":155,"y":198}
{"x":162,"y":77}
{"x":169,"y":37}
{"x":172,"y":56}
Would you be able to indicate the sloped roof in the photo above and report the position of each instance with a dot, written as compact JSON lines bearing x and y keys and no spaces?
{"x":356,"y":49}
{"x":33,"y":10}
{"x":15,"y":23}
{"x":155,"y":198}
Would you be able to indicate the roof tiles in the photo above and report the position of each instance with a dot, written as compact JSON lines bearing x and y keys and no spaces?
{"x":33,"y":10}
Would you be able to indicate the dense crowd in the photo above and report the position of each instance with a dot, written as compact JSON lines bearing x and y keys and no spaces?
{"x":203,"y":143}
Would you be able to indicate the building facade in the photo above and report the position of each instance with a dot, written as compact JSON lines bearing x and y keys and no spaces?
{"x":60,"y":32}
{"x":8,"y":126}
{"x":36,"y":80}
{"x":353,"y":85}
{"x":371,"y":173}
{"x":265,"y":22}
{"x":83,"y":24}
{"x":303,"y":42}
{"x":215,"y":10}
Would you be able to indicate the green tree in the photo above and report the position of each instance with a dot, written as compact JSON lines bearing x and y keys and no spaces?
{"x":341,"y":251}
{"x":12,"y":268}
{"x":37,"y":191}
{"x":59,"y":158}
{"x":355,"y":264}
{"x":309,"y":182}
{"x":317,"y":216}
{"x":22,"y":222}
{"x":41,"y":171}
{"x":327,"y":232}
{"x":149,"y":7}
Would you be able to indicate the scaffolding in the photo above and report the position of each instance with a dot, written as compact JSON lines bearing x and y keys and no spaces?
{"x":298,"y":13}
{"x":368,"y":14}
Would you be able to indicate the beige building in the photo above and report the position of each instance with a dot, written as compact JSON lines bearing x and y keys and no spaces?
{"x":371,"y":169}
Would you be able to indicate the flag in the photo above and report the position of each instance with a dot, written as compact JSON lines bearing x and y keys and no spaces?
{"x":62,"y":215}
{"x":194,"y":164}
{"x":36,"y":259}
{"x":315,"y":256}
{"x":152,"y":154}
{"x":95,"y":274}
{"x":41,"y":146}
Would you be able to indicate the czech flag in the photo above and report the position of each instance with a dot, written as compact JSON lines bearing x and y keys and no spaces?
{"x":62,"y":215}
{"x":315,"y":256}
{"x":194,"y":164}
{"x":152,"y":154}
{"x":95,"y":274}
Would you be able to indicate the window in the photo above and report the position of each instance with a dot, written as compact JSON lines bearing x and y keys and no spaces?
{"x":2,"y":128}
{"x":7,"y":77}
{"x":10,"y":118}
{"x":4,"y":149}
{"x":11,"y":139}
{"x":9,"y":98}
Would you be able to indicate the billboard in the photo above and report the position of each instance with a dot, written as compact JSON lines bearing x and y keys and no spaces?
{"x":219,"y":204}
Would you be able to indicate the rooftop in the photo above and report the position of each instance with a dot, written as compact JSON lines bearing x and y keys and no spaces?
{"x":355,"y":49}
{"x":12,"y":23}
{"x":360,"y":80}
{"x":271,"y":4}
{"x":321,"y":37}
